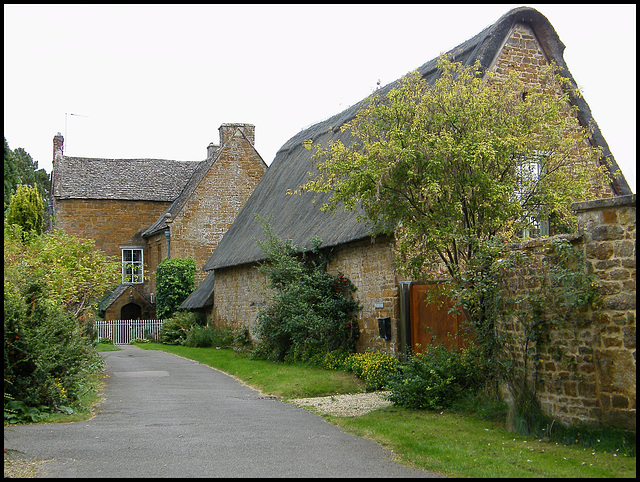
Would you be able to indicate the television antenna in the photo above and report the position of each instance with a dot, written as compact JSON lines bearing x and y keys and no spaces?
{"x":66,"y":114}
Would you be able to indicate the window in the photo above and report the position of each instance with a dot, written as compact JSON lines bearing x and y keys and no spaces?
{"x":132,"y":270}
{"x":529,"y":172}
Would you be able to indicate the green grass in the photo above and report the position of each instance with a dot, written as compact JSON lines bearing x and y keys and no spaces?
{"x":279,"y":379}
{"x":449,"y":443}
{"x":106,"y":347}
{"x":463,"y":446}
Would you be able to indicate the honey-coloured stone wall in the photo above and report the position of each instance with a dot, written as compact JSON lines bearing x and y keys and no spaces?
{"x":218,"y":198}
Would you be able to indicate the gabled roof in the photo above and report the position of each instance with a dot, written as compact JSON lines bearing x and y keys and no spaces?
{"x":122,"y":179}
{"x":297,"y":218}
{"x":113,"y":295}
{"x":197,"y":176}
{"x":176,"y":206}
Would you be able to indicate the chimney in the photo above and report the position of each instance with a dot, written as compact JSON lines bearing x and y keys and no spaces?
{"x":58,"y":146}
{"x":211,"y":150}
{"x":227,"y":131}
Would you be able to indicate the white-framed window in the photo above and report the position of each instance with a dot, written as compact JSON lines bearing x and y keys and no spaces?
{"x":529,"y":172}
{"x":132,"y":265}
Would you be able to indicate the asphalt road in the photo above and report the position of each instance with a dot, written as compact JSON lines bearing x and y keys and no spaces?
{"x":165,"y":416}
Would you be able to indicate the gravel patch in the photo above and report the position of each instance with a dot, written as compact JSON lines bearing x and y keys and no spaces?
{"x":351,"y":405}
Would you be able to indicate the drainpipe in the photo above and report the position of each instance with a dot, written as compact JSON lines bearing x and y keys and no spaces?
{"x":167,"y":233}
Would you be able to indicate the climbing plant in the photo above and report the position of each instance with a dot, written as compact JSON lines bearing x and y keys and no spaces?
{"x":533,"y":302}
{"x":175,"y":280}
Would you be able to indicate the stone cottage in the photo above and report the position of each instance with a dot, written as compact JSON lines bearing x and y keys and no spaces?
{"x":143,"y":210}
{"x":522,"y":39}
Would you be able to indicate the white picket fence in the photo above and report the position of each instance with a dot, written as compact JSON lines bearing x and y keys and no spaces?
{"x":121,"y":332}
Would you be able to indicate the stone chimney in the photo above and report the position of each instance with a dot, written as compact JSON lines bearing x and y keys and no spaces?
{"x":58,"y":146}
{"x":227,"y":131}
{"x":211,"y":150}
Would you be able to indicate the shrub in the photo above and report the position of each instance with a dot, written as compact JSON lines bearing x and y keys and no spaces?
{"x":175,"y":330}
{"x":374,"y":368}
{"x":436,"y":378}
{"x":47,"y":357}
{"x":334,"y":360}
{"x":206,"y":336}
{"x":310,"y":311}
{"x":175,"y":280}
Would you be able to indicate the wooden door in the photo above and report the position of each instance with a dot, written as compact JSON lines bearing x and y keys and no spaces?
{"x":432,"y":323}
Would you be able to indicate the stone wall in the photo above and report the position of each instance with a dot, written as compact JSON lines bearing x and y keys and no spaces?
{"x":369,"y":266}
{"x":111,"y":223}
{"x":586,"y":372}
{"x":239,"y":293}
{"x":216,"y":201}
{"x":609,"y":240}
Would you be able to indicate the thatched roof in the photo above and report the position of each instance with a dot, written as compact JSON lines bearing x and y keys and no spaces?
{"x":202,"y":296}
{"x":296,"y":217}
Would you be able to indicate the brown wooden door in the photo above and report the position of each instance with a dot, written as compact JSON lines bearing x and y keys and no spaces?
{"x":431,"y":323}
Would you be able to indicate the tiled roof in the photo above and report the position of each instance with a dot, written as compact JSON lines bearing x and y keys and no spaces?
{"x":122,"y":179}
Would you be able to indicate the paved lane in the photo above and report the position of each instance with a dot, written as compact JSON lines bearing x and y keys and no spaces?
{"x":165,"y":416}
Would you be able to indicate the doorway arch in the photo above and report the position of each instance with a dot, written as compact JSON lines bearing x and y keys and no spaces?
{"x":131,"y":311}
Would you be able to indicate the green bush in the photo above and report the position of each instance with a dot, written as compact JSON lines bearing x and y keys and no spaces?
{"x":206,"y":336}
{"x":47,"y":357}
{"x":175,"y":330}
{"x":50,"y":284}
{"x":175,"y":280}
{"x":334,"y":360}
{"x":436,"y":378}
{"x":374,"y":368}
{"x":310,"y":311}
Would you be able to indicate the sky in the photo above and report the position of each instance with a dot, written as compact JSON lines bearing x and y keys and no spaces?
{"x":156,"y":81}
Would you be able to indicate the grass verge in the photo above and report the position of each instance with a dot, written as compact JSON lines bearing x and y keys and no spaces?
{"x":279,"y":379}
{"x":463,"y":446}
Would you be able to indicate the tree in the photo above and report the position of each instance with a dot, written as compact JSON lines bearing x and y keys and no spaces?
{"x":51,"y":285}
{"x":447,"y":167}
{"x":74,"y":272}
{"x":458,"y":169}
{"x":11,"y":175}
{"x":175,"y":280}
{"x":20,"y":168}
{"x":26,"y":209}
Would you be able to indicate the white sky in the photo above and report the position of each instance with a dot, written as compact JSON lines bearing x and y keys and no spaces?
{"x":147,"y":81}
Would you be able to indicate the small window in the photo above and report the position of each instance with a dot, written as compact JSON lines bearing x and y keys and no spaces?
{"x":529,"y":172}
{"x":132,"y":268}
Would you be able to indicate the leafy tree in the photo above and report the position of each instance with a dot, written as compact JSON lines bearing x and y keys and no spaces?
{"x":20,"y":168}
{"x":74,"y":272}
{"x":26,"y":209}
{"x":51,"y":284}
{"x":447,"y":167}
{"x":11,"y":175}
{"x":175,"y":280}
{"x":456,"y":170}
